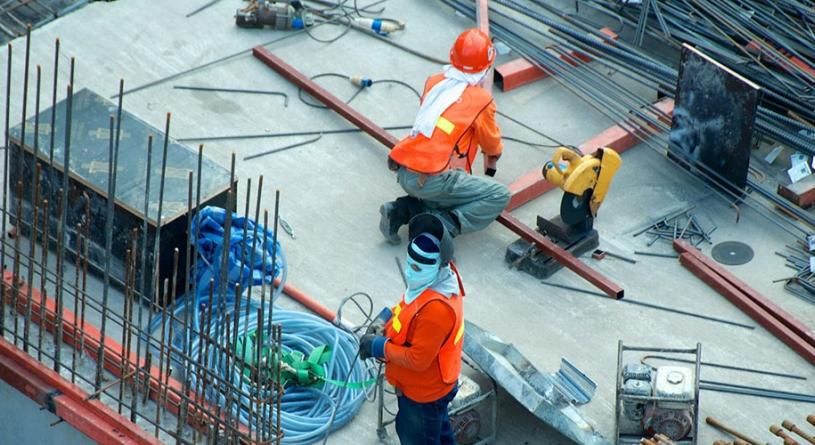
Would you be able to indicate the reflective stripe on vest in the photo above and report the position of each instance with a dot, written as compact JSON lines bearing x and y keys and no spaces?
{"x":398,"y":327}
{"x":440,"y":152}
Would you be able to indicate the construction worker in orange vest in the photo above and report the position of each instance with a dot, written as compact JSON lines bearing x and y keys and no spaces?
{"x":434,"y":162}
{"x":420,"y":339}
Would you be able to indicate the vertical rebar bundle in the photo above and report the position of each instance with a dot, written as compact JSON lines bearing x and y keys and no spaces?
{"x":195,"y":390}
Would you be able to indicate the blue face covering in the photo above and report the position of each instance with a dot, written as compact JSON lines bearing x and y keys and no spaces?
{"x":424,"y":277}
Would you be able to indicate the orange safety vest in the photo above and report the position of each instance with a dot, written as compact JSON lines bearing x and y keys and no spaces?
{"x":397,"y":328}
{"x":441,"y":151}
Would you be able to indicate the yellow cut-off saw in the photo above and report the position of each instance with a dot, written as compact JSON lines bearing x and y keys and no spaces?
{"x":585,"y":180}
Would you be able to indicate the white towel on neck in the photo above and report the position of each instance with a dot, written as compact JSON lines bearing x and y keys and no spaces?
{"x":441,"y":96}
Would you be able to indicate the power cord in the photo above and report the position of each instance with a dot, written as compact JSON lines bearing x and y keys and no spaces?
{"x":362,"y":83}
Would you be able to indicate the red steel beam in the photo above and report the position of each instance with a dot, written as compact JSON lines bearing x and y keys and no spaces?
{"x":562,"y":256}
{"x":519,"y":72}
{"x":796,"y":326}
{"x":532,"y":184}
{"x":113,"y":351}
{"x":544,"y":244}
{"x":320,"y":93}
{"x":748,"y":306}
{"x":310,"y":303}
{"x":66,"y":400}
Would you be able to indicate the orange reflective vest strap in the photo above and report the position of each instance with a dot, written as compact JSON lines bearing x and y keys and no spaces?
{"x":397,"y":328}
{"x":461,"y":291}
{"x":441,"y":151}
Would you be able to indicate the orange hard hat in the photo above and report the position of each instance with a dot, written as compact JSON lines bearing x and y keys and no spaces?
{"x":473,"y":51}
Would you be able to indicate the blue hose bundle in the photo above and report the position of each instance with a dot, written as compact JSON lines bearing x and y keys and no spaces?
{"x":248,"y":259}
{"x":307,"y":413}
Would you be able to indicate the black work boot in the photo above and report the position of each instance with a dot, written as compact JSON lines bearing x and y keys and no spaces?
{"x":395,"y":214}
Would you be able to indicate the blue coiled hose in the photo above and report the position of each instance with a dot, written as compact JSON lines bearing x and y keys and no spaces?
{"x":307,"y":413}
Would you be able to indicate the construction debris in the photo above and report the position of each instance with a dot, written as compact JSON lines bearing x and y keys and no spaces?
{"x":550,"y":397}
{"x":683,"y":226}
{"x":802,"y":284}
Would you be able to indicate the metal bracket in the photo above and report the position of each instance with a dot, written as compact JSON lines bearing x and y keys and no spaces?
{"x":50,"y":404}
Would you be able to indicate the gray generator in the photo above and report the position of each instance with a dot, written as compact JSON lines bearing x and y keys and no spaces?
{"x":657,"y":400}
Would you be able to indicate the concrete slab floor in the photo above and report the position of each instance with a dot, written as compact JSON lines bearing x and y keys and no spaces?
{"x":22,"y":421}
{"x":331,"y":191}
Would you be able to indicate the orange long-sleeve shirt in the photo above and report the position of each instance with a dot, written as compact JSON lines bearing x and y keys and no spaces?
{"x":484,"y":133}
{"x":414,"y":368}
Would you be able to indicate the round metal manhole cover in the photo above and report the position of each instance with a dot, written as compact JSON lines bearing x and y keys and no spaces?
{"x":732,"y":253}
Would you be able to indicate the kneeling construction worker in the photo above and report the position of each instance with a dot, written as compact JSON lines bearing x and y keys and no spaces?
{"x":420,"y":339}
{"x":434,"y":163}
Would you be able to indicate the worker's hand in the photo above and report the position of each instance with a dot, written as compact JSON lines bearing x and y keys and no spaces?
{"x":372,"y":346}
{"x":377,"y":326}
{"x":491,"y":165}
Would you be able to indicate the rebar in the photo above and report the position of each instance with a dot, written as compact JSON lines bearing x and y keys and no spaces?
{"x":609,"y":97}
{"x":53,"y":318}
{"x":6,"y":151}
{"x":236,"y":90}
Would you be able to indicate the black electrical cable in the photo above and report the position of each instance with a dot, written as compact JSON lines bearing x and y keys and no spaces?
{"x":302,"y":98}
{"x":369,"y":318}
{"x":333,"y":19}
{"x":301,"y":95}
{"x":365,"y":8}
{"x":249,"y":51}
{"x":244,"y":52}
{"x":555,"y":142}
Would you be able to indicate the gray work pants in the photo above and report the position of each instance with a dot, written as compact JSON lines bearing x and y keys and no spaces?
{"x":464,"y":202}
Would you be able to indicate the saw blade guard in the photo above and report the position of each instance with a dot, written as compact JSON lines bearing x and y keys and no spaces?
{"x":610,"y":162}
{"x":580,"y":176}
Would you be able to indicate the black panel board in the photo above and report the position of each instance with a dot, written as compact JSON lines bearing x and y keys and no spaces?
{"x":88,"y":181}
{"x":713,"y":120}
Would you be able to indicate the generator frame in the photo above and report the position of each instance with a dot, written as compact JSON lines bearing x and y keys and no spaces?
{"x":491,"y":394}
{"x":620,"y":397}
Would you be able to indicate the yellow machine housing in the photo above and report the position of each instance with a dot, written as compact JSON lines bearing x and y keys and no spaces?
{"x":582,"y":173}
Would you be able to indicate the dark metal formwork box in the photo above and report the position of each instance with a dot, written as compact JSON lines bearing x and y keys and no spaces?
{"x":88,"y":183}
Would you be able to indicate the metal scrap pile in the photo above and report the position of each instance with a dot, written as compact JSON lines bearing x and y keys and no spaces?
{"x":678,"y":225}
{"x":802,"y":284}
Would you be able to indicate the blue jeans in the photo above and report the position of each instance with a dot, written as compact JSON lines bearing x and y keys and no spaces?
{"x":425,"y":423}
